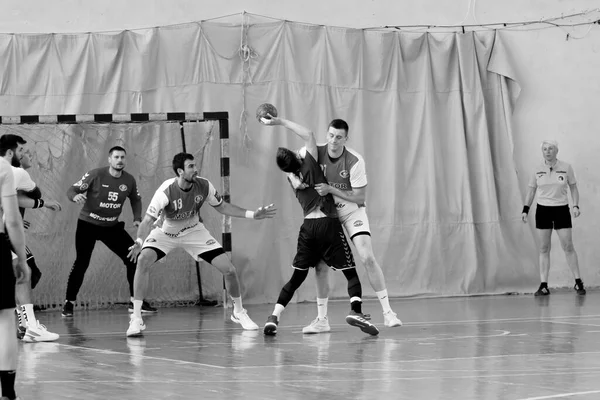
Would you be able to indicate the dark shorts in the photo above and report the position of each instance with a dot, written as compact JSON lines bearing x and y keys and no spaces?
{"x":323,"y":239}
{"x":553,"y":217}
{"x":7,"y":276}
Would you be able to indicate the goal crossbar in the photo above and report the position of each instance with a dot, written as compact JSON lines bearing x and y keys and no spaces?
{"x":113,"y":118}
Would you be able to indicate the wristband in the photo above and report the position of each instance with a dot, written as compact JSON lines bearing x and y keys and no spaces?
{"x":577,"y":207}
{"x":38,"y":203}
{"x":249,"y":214}
{"x":139,"y":241}
{"x":526,"y":209}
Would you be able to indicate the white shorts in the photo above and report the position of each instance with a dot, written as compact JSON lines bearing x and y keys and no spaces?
{"x":195,"y":242}
{"x":356,"y":222}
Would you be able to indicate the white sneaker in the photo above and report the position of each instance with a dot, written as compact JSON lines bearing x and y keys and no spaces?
{"x":319,"y":325}
{"x":391,"y":320}
{"x":136,"y":326}
{"x":243,"y":319}
{"x":37,"y":332}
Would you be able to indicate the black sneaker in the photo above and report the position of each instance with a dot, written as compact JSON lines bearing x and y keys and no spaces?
{"x":580,"y":289}
{"x":146,"y":307}
{"x":542,"y":291}
{"x":67,"y":310}
{"x":358,"y":320}
{"x":271,"y":325}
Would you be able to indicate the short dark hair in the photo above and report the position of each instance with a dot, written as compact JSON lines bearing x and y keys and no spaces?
{"x":339,"y":124}
{"x":10,"y":142}
{"x":116,"y":148}
{"x":179,"y":161}
{"x":287,"y":160}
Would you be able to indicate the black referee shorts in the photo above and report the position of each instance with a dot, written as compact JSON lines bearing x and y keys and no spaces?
{"x":323,"y":239}
{"x":7,"y":276}
{"x":553,"y":217}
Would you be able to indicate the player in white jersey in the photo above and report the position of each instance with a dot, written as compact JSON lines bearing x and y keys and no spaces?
{"x":550,"y":181}
{"x":12,"y":150}
{"x":12,"y":225}
{"x":179,"y":200}
{"x":346,"y":175}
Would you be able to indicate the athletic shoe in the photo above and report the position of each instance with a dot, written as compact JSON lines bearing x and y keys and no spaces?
{"x":136,"y":326}
{"x":356,"y":319}
{"x":67,"y":310}
{"x":243,"y":319}
{"x":319,"y":325}
{"x":271,"y":325}
{"x":21,"y":326}
{"x":542,"y":291}
{"x":146,"y":307}
{"x":37,"y":332}
{"x":580,"y":289}
{"x":391,"y":320}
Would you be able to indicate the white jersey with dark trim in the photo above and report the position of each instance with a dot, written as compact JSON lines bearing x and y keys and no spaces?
{"x":346,"y":172}
{"x":181,"y":208}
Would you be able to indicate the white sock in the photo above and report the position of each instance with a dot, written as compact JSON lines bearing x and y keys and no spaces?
{"x":137,"y":308}
{"x":237,"y":304}
{"x":384,"y":300}
{"x":278,"y":310}
{"x":29,"y":314}
{"x":322,"y":308}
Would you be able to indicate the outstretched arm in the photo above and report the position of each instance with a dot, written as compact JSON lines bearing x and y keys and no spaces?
{"x":234,"y":211}
{"x":26,"y":202}
{"x":306,"y":134}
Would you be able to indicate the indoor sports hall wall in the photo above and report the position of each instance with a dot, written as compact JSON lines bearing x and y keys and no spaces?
{"x":449,"y":124}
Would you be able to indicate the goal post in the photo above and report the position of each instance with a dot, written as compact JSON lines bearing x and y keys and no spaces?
{"x":86,"y":137}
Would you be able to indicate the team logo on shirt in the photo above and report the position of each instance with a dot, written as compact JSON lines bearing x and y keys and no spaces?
{"x":151,"y":210}
{"x":344,"y":174}
{"x":210,"y":242}
{"x":561,"y":178}
{"x":84,"y":186}
{"x":198,"y":198}
{"x":358,"y":223}
{"x":123,"y":188}
{"x":150,"y":240}
{"x":217,"y":196}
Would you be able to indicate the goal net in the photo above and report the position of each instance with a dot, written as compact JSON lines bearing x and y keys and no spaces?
{"x":62,"y":152}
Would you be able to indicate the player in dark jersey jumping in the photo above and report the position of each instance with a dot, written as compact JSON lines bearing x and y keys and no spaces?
{"x":178,"y":201}
{"x":103,"y":192}
{"x":321,"y":236}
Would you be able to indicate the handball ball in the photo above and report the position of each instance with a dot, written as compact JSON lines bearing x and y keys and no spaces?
{"x":264,"y":109}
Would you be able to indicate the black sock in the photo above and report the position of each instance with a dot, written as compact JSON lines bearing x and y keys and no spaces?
{"x":544,"y":284}
{"x":7,"y":379}
{"x":578,"y":281}
{"x":356,"y":306}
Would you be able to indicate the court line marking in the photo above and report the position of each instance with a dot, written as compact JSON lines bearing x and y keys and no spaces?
{"x":318,"y":379}
{"x":559,"y":396}
{"x":142,"y":356}
{"x":420,"y":360}
{"x":569,"y":323}
{"x":405,"y":324}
